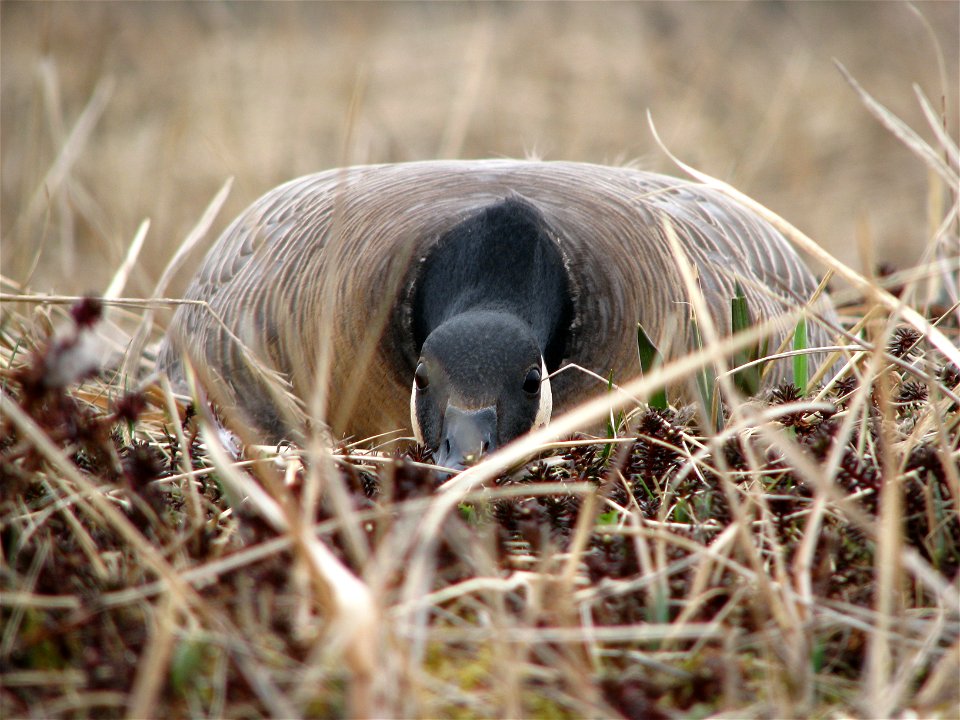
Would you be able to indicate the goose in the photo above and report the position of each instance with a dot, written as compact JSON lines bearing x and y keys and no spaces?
{"x":442,"y":297}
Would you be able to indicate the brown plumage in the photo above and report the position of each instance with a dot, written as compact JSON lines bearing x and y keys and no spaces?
{"x":332,"y":261}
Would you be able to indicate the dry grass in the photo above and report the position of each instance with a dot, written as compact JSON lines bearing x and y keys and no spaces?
{"x":800,"y":561}
{"x":187,"y":95}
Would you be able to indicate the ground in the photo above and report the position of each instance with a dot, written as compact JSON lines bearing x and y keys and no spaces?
{"x":794,"y":554}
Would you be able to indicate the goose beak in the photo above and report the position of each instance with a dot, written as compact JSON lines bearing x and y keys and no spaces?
{"x":466,"y":436}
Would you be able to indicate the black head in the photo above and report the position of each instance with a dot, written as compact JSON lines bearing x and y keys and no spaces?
{"x":504,"y":257}
{"x":480,"y":382}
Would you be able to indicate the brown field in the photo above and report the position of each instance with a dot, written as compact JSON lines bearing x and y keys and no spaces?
{"x":795,"y":555}
{"x":196,"y":93}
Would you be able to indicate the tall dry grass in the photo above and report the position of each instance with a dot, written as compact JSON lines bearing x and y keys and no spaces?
{"x":799,"y":561}
{"x":143,"y":110}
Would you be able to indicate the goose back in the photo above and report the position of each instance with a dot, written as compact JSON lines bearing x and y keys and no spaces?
{"x":326,"y":266}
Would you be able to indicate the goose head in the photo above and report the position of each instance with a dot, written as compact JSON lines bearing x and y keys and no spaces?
{"x":480,"y":382}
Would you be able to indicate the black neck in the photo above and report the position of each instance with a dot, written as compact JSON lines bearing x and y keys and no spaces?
{"x":505,"y":258}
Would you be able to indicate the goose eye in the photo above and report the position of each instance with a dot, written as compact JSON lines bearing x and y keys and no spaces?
{"x":420,"y":377}
{"x":531,"y":384}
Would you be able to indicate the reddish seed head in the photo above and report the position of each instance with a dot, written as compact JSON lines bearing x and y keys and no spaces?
{"x":903,"y":343}
{"x":912,"y":393}
{"x":785,"y":393}
{"x":950,"y":375}
{"x":87,"y":312}
{"x":130,"y":406}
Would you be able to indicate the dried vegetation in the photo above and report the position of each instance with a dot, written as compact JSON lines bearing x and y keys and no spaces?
{"x":796,"y":554}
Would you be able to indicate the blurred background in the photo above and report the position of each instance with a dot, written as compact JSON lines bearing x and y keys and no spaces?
{"x":115,"y":112}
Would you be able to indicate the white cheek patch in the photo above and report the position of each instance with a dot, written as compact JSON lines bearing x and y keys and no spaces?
{"x":546,"y":399}
{"x":414,"y":422}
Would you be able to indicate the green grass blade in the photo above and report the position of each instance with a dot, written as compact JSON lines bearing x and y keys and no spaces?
{"x":650,"y":358}
{"x":800,"y":362}
{"x":748,"y":380}
{"x":612,"y":423}
{"x":706,"y":382}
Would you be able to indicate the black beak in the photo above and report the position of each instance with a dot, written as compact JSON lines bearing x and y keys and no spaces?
{"x":466,"y":435}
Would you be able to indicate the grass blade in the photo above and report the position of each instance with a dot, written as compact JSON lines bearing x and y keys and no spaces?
{"x":706,"y":382}
{"x":800,"y":362}
{"x":748,"y":379}
{"x":650,"y":358}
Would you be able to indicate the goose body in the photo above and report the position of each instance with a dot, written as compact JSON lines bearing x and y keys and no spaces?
{"x":439,"y":295}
